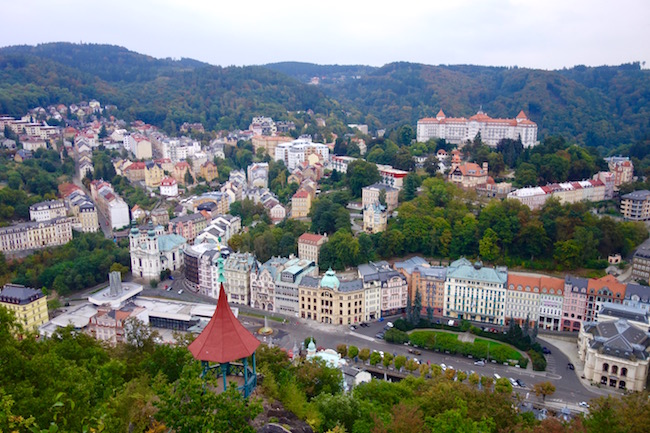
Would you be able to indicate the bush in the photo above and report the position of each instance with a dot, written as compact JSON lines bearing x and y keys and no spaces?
{"x":153,"y":283}
{"x":539,"y":362}
{"x":396,"y":336}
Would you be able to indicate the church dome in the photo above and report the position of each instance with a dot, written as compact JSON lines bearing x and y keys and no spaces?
{"x":311,"y":346}
{"x":330,"y":280}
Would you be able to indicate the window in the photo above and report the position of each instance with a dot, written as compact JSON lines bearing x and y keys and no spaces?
{"x":605,"y":367}
{"x":614,"y":369}
{"x":623,"y":372}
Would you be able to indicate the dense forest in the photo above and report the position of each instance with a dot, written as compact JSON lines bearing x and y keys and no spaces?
{"x":603,"y":106}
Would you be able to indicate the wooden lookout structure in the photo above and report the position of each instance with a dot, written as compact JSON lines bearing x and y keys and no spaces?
{"x":224,"y":347}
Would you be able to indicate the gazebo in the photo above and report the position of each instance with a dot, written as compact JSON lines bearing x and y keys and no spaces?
{"x":225,"y":345}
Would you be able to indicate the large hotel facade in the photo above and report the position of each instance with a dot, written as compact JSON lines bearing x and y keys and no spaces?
{"x":459,"y":129}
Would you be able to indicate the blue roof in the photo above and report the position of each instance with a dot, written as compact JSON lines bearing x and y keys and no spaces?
{"x":410,"y":264}
{"x":463,"y":268}
{"x":169,"y":242}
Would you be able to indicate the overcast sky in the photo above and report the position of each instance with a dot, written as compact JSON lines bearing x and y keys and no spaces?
{"x":546,"y":34}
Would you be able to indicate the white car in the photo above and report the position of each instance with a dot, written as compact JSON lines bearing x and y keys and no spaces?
{"x":443,"y":366}
{"x":583,"y":404}
{"x":479,"y":363}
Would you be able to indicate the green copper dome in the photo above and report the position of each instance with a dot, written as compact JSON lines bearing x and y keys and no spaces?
{"x":330,"y":280}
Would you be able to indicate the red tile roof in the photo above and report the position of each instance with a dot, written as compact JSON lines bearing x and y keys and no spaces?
{"x":224,"y":339}
{"x":310,"y":238}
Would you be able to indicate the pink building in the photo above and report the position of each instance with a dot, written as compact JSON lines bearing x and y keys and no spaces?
{"x":574,"y":309}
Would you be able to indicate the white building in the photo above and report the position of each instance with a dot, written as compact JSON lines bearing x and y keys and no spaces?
{"x":237,"y":269}
{"x":111,"y":205}
{"x":154,"y":251}
{"x":138,"y":145}
{"x":295,"y":152}
{"x":392,"y":285}
{"x":459,"y":130}
{"x":179,"y":149}
{"x":47,"y":210}
{"x":476,"y":293}
{"x":168,"y":187}
{"x":341,"y":163}
{"x":258,"y":175}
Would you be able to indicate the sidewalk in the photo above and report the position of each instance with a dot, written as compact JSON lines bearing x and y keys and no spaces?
{"x":570,"y":350}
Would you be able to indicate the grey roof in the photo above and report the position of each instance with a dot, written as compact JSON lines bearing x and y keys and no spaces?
{"x":17,"y":294}
{"x":409,"y":265}
{"x":435,"y":272}
{"x":351,"y":286}
{"x":643,"y":194}
{"x":383,"y":186}
{"x":619,"y":339}
{"x":309,"y":281}
{"x":378,"y":271}
{"x":186,"y":218}
{"x":643,"y":292}
{"x":576,"y":282}
{"x":642,"y":252}
{"x":625,"y":312}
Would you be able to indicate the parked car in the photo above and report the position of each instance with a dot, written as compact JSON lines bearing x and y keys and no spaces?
{"x":380,"y":335}
{"x":570,"y":366}
{"x":180,"y":292}
{"x":583,"y":404}
{"x":363,"y":324}
{"x":169,"y":289}
{"x":443,"y":366}
{"x":389,"y":324}
{"x":479,"y":363}
{"x":546,"y":350}
{"x":521,"y":383}
{"x":352,"y":327}
{"x":513,"y":382}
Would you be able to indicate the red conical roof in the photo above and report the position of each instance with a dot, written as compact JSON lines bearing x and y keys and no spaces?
{"x":521,"y":115}
{"x":224,"y":339}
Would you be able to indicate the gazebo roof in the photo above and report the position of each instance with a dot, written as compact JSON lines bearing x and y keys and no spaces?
{"x":224,"y":339}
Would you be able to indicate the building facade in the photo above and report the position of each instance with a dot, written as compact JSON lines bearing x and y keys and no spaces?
{"x":392,"y":284}
{"x":35,"y":235}
{"x":309,"y":245}
{"x":635,"y":206}
{"x":574,"y":308}
{"x":460,"y":130}
{"x":328,"y":300}
{"x":29,"y":305}
{"x":153,"y":252}
{"x":47,"y":210}
{"x":375,"y":218}
{"x":476,"y":293}
{"x":370,"y":194}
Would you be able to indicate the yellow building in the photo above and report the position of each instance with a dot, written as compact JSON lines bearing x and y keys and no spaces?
{"x":153,"y":175}
{"x":29,"y":305}
{"x":300,"y":204}
{"x":329,"y":300}
{"x":209,"y":171}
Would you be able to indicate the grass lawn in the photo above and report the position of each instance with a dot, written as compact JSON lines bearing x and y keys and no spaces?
{"x":495,"y":345}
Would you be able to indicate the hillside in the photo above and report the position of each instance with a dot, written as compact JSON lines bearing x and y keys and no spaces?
{"x":598,"y":106}
{"x":162,"y":92}
{"x":604,"y":106}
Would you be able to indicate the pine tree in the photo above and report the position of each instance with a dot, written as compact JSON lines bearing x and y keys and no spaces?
{"x":417,"y":307}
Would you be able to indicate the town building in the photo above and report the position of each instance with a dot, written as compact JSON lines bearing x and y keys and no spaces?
{"x":565,"y":192}
{"x":370,"y":194}
{"x":153,"y":252}
{"x":188,"y":226}
{"x":263,"y":278}
{"x":341,"y":163}
{"x":220,"y":229}
{"x":28,"y":305}
{"x":622,"y":168}
{"x":309,"y":245}
{"x":35,"y":235}
{"x":135,"y":171}
{"x":237,"y":269}
{"x":474,"y":292}
{"x":428,"y":281}
{"x":153,"y":174}
{"x":392,"y":285}
{"x":605,"y":289}
{"x":469,"y":175}
{"x":47,"y":210}
{"x":180,"y":170}
{"x":300,"y":204}
{"x":522,"y":298}
{"x":459,"y":130}
{"x":261,"y":125}
{"x":615,"y":348}
{"x":220,"y":199}
{"x":551,"y":303}
{"x":82,"y":208}
{"x":392,"y":176}
{"x":168,"y":187}
{"x":209,"y":171}
{"x":298,"y":151}
{"x":200,"y":267}
{"x":637,"y":296}
{"x":258,"y":175}
{"x":329,"y":300}
{"x":138,"y":145}
{"x":375,"y":218}
{"x":111,"y":205}
{"x":278,"y":213}
{"x":635,"y":206}
{"x":287,"y":300}
{"x":268,"y":143}
{"x":574,"y":308}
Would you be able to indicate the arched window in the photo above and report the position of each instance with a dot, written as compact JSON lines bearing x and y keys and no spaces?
{"x":623,"y":371}
{"x":605,"y":367}
{"x":621,"y":384}
{"x":614,"y":369}
{"x":603,"y":380}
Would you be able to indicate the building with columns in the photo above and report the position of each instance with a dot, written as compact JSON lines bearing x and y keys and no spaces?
{"x":153,"y":251}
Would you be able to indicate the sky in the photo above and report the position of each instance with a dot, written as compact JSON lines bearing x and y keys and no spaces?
{"x":544,"y":34}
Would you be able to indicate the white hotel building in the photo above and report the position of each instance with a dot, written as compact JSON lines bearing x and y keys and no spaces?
{"x":297,"y":151}
{"x":459,"y":129}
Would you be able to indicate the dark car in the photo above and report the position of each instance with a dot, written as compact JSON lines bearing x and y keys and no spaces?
{"x":546,"y":350}
{"x":521,"y":383}
{"x":364,"y":324}
{"x":380,"y":335}
{"x":570,"y":366}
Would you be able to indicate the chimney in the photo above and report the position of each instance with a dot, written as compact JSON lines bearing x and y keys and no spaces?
{"x":485,"y":167}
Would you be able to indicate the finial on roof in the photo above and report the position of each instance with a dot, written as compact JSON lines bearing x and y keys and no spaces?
{"x":221,"y":278}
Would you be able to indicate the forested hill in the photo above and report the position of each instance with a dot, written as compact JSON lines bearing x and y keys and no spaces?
{"x":602,"y":106}
{"x":597,"y":106}
{"x":163,"y":92}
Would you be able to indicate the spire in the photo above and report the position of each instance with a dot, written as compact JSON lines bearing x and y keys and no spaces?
{"x":440,"y":115}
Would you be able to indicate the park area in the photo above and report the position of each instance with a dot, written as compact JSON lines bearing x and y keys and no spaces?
{"x":467,"y":345}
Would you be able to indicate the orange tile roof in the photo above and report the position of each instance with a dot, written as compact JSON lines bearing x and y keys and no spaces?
{"x":310,"y":238}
